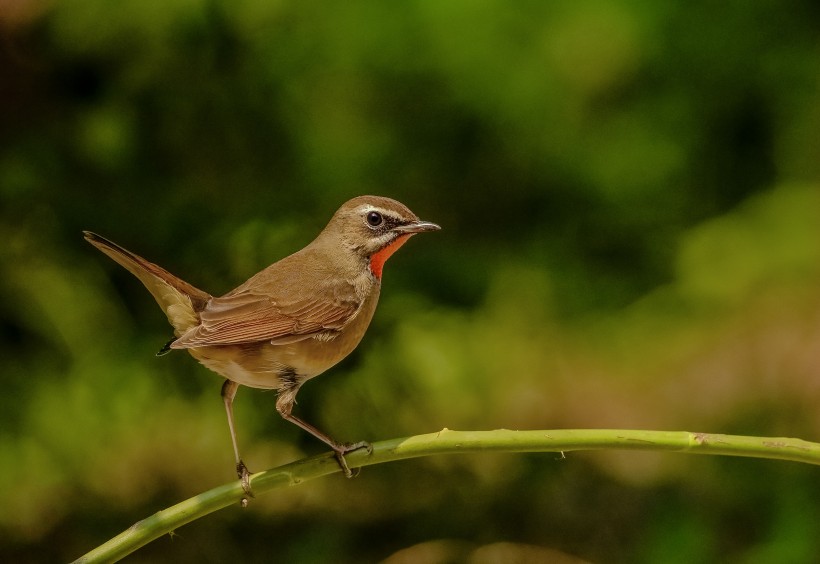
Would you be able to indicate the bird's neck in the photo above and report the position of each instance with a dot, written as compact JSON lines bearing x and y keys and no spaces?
{"x":378,"y":258}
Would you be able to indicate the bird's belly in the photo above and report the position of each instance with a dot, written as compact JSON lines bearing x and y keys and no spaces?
{"x":242,"y":364}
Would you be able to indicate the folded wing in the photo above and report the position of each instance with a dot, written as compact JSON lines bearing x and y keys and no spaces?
{"x":248,"y":317}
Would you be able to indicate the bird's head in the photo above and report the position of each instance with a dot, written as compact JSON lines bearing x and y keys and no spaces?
{"x":374,"y":227}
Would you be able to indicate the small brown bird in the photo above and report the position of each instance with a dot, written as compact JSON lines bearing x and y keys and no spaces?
{"x":291,"y":321}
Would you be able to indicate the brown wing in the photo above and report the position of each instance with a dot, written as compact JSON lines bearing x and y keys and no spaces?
{"x":248,"y":317}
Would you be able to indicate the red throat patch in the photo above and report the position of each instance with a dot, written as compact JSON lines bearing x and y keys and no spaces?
{"x":378,"y":259}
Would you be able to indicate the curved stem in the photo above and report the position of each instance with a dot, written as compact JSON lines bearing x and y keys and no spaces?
{"x":450,"y":442}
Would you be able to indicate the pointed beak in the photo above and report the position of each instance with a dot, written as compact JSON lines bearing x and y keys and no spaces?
{"x":417,"y":227}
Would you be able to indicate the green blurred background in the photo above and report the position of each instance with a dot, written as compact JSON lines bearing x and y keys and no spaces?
{"x":629,"y":194}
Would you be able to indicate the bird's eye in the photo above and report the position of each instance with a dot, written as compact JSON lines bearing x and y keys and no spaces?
{"x":374,"y":219}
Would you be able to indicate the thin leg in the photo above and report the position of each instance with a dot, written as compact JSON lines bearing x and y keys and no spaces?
{"x":229,"y":389}
{"x":284,"y":405}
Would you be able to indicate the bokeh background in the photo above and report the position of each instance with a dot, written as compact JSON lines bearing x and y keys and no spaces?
{"x":630,"y":201}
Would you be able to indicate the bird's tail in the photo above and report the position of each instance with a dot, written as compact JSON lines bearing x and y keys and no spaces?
{"x":180,"y":301}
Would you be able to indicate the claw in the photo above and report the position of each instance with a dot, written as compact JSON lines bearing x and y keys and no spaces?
{"x":343,"y":449}
{"x":245,"y":477}
{"x":340,"y":458}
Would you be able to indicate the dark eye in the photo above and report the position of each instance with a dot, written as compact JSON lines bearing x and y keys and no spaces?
{"x":374,"y":219}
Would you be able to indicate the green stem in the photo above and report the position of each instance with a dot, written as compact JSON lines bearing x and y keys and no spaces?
{"x":450,"y":442}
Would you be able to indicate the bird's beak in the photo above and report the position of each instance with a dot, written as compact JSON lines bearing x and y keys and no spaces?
{"x":416,"y":227}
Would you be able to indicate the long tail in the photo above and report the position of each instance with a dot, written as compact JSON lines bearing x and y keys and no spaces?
{"x":180,"y":301}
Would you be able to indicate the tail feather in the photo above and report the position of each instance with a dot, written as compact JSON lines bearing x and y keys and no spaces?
{"x":180,"y":301}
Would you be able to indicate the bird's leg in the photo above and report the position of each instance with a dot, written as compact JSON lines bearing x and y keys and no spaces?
{"x":284,"y":405}
{"x":229,"y":389}
{"x":339,"y":448}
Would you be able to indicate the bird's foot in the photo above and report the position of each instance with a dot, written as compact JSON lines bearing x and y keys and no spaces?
{"x":245,"y":477}
{"x":343,"y":449}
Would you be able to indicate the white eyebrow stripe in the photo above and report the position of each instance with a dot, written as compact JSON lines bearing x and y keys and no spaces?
{"x":370,"y":207}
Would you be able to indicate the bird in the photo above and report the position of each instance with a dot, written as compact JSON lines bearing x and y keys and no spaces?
{"x":291,"y":321}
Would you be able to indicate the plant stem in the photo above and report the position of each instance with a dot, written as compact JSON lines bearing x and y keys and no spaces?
{"x":450,"y":442}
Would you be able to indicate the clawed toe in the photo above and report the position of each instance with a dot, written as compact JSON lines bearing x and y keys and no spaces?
{"x":345,"y":448}
{"x":245,"y":477}
{"x":362,"y":445}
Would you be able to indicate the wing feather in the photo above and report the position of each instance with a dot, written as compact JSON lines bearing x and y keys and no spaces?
{"x":247,"y":318}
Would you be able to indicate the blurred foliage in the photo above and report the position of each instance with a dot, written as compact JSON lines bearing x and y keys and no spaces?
{"x":630,"y":195}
